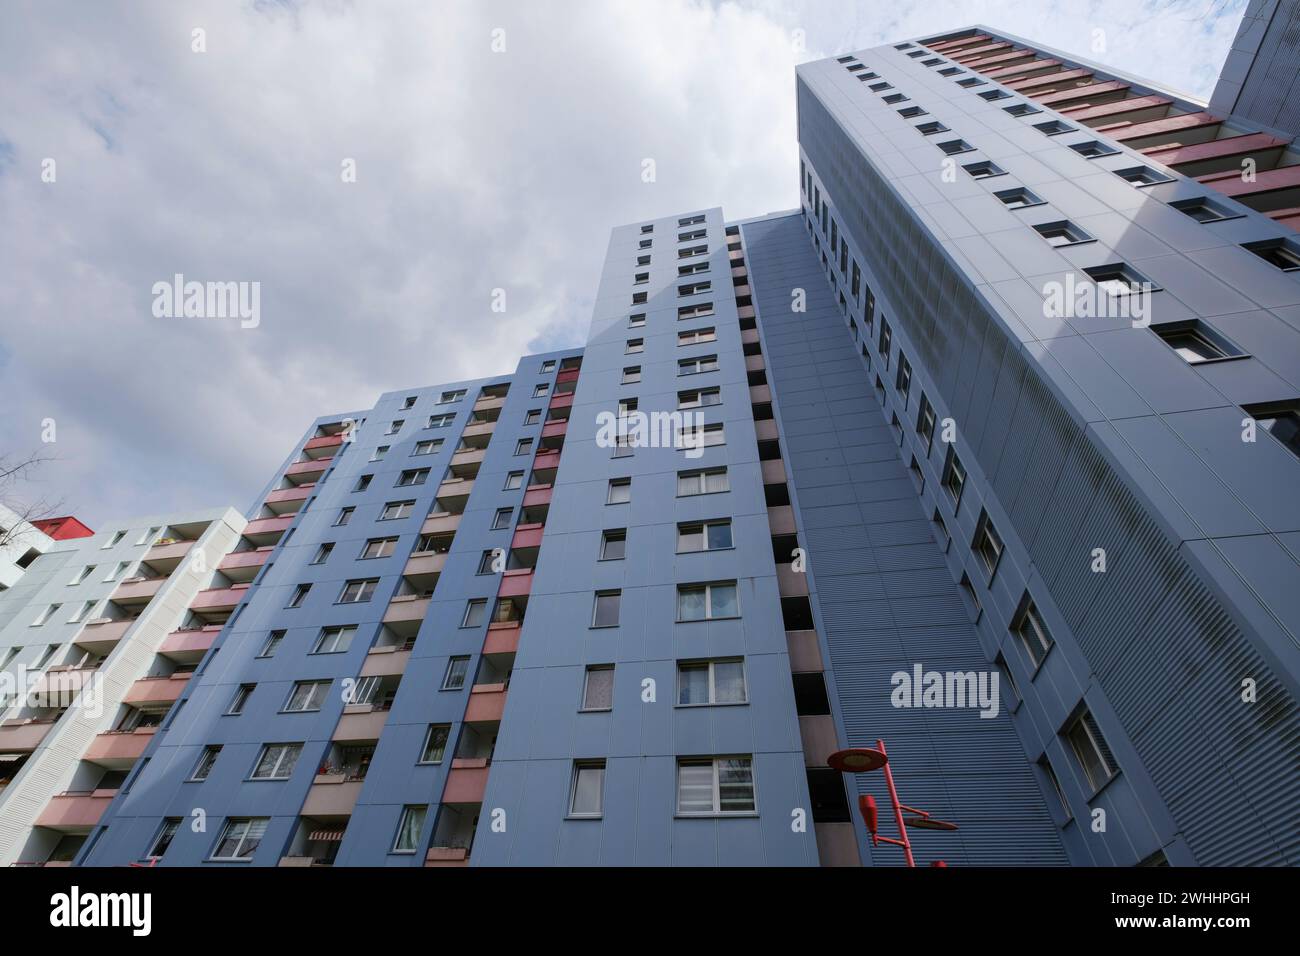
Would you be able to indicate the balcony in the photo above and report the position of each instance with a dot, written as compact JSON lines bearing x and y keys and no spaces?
{"x":527,"y":536}
{"x":773,"y":471}
{"x":749,"y":336}
{"x":189,"y":646}
{"x":309,"y":470}
{"x":323,"y":446}
{"x":454,"y":492}
{"x":502,"y":637}
{"x":488,"y":403}
{"x":819,"y":739}
{"x":477,"y":430}
{"x":440,"y":524}
{"x":119,"y":749}
{"x":164,"y":558}
{"x":467,"y":780}
{"x":517,"y":583}
{"x":332,"y":795}
{"x":789,"y":582}
{"x":406,"y":612}
{"x":487,"y":702}
{"x":563,"y":400}
{"x":102,"y":634}
{"x":156,"y":690}
{"x":754,"y":363}
{"x":360,"y":722}
{"x":447,"y":856}
{"x":567,"y":375}
{"x":75,"y":811}
{"x":58,"y":686}
{"x":242,"y":566}
{"x":219,"y":599}
{"x":745,"y":312}
{"x":805,"y":651}
{"x":425,"y":564}
{"x":465,"y":463}
{"x":137,"y":591}
{"x":765,"y":429}
{"x":555,"y":429}
{"x":286,"y":501}
{"x":387,"y":661}
{"x":536,"y":495}
{"x":780,"y":518}
{"x":262,"y":531}
{"x":546,"y":459}
{"x":23,"y":735}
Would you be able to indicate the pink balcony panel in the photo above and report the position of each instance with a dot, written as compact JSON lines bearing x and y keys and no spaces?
{"x":465,"y":784}
{"x":487,"y":702}
{"x":21,"y":735}
{"x":1090,"y":111}
{"x":302,"y":469}
{"x":244,"y":559}
{"x":331,"y":795}
{"x":1005,"y":72}
{"x":527,"y":535}
{"x":568,"y":375}
{"x":555,"y":429}
{"x":564,"y":400}
{"x":218,"y":599}
{"x":360,"y":722}
{"x":75,"y":811}
{"x":156,"y":690}
{"x":765,"y":429}
{"x":789,"y":582}
{"x":385,"y":661}
{"x":538,"y":495}
{"x":297,"y":493}
{"x":192,"y":642}
{"x":168,"y":552}
{"x":1087,"y":93}
{"x":1063,"y":78}
{"x":516,"y":583}
{"x":805,"y":651}
{"x":547,"y":459}
{"x":1219,"y":149}
{"x":324,"y":441}
{"x":447,"y":856}
{"x":1170,"y":126}
{"x":502,"y":637}
{"x":268,"y":525}
{"x":118,"y":746}
{"x":440,"y":524}
{"x":138,"y":591}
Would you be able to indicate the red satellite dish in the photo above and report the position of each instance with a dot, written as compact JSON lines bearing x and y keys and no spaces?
{"x":856,"y":760}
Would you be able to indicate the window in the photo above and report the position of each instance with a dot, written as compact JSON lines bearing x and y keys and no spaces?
{"x":395,"y":426}
{"x":705,"y":481}
{"x":1053,"y":127}
{"x":903,"y":381}
{"x":715,"y":785}
{"x":475,"y":612}
{"x":240,"y":838}
{"x":440,"y":421}
{"x":1142,"y":176}
{"x":696,"y":366}
{"x":697,"y":336}
{"x":334,"y":640}
{"x":1119,"y":278}
{"x":954,"y":477}
{"x":164,"y":838}
{"x":457,"y":671}
{"x":47,"y":654}
{"x":702,"y":602}
{"x":299,"y":595}
{"x":45,"y":615}
{"x":115,"y":540}
{"x":631,"y":375}
{"x":206,"y":761}
{"x":893,"y":98}
{"x":993,"y":95}
{"x":547,"y":366}
{"x":1062,"y":233}
{"x":1196,"y":341}
{"x":987,"y":545}
{"x":693,"y":268}
{"x":598,"y":687}
{"x":514,"y":481}
{"x":427,"y":447}
{"x":1203,"y":210}
{"x":984,"y":170}
{"x":886,"y":340}
{"x":880,"y":87}
{"x":699,"y":397}
{"x":1090,"y":750}
{"x":307,"y":695}
{"x":1022,"y":109}
{"x":587,"y":798}
{"x":1033,"y":633}
{"x":379,"y":453}
{"x":1018,"y":198}
{"x":640,"y":298}
{"x":647,"y":229}
{"x":344,"y":516}
{"x":409,"y":402}
{"x":636,"y":320}
{"x":358,"y":591}
{"x":80,"y":614}
{"x":485,"y":562}
{"x":237,"y":703}
{"x":695,"y":311}
{"x":911,"y":112}
{"x":929,"y":129}
{"x":1093,"y":149}
{"x":412,"y":476}
{"x":1281,"y":253}
{"x":523,"y":446}
{"x":396,"y":509}
{"x":634,"y":346}
{"x":613,"y":544}
{"x":453,"y":396}
{"x":273,"y":641}
{"x":435,"y":743}
{"x":605,"y":611}
{"x":925,"y":422}
{"x":117,"y":570}
{"x":1281,"y":420}
{"x":502,"y":518}
{"x":691,"y":251}
{"x":409,"y":827}
{"x":711,"y":682}
{"x":323,"y":553}
{"x":620,"y":491}
{"x":706,"y":437}
{"x":148,"y":535}
{"x":953,"y":147}
{"x":84,"y":573}
{"x":704,"y":536}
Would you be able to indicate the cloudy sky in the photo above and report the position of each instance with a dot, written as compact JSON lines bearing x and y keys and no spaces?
{"x":475,"y":168}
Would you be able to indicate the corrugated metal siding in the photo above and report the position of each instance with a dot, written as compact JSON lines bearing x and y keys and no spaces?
{"x":1152,"y":632}
{"x":884,"y":596}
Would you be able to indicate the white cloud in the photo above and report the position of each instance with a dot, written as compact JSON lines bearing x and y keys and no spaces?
{"x":476,"y":170}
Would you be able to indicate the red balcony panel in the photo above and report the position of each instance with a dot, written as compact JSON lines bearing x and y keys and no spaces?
{"x":538,"y":495}
{"x":314,"y":466}
{"x":1089,"y":111}
{"x":465,"y":784}
{"x":1230,"y":183}
{"x":527,"y":535}
{"x":1286,"y":217}
{"x":1167,"y":126}
{"x":568,"y":375}
{"x":971,"y":53}
{"x":332,"y":795}
{"x":959,"y":42}
{"x":502,"y":637}
{"x":75,"y":810}
{"x":137,"y":590}
{"x":268,"y":525}
{"x":1047,"y":79}
{"x":296,"y":493}
{"x":1178,"y":154}
{"x":245,"y":559}
{"x":120,"y":746}
{"x":1005,"y":72}
{"x":554,"y":429}
{"x":190,"y":643}
{"x":102,"y":635}
{"x":217,"y":599}
{"x":447,"y":856}
{"x":516,"y":583}
{"x":1083,"y":92}
{"x":563,"y":400}
{"x":23,"y":735}
{"x":324,"y":441}
{"x":168,"y":552}
{"x":546,"y":459}
{"x":487,"y":702}
{"x":984,"y":64}
{"x":157,"y":690}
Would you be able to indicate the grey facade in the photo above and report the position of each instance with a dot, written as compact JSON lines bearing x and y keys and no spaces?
{"x":1260,"y":80}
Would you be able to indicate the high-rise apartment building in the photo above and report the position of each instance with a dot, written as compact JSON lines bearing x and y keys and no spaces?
{"x":95,"y":646}
{"x":989,"y":452}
